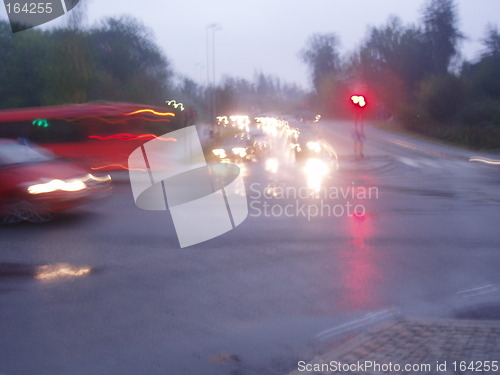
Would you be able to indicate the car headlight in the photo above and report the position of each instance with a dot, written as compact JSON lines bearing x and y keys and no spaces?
{"x":241,"y":151}
{"x":55,"y":185}
{"x":314,"y":146}
{"x":316,"y":167}
{"x":220,"y":152}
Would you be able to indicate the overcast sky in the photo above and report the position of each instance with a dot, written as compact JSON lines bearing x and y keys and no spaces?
{"x":266,"y":35}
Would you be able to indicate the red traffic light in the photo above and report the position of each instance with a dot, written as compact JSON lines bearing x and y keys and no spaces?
{"x":358,"y":100}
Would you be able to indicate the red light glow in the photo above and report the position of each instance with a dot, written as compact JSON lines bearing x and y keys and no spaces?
{"x":152,"y":119}
{"x":119,"y":121}
{"x":120,"y":166}
{"x":99,"y":118}
{"x":131,"y":137}
{"x":359,"y":100}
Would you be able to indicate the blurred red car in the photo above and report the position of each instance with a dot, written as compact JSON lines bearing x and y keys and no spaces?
{"x":35,"y":184}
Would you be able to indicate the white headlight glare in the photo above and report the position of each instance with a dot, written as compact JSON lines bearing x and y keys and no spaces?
{"x":241,"y":151}
{"x":314,"y":146}
{"x":54,"y":185}
{"x":316,"y":167}
{"x":220,"y":152}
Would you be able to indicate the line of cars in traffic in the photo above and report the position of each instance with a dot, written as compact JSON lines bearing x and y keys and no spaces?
{"x":276,"y":139}
{"x":241,"y":138}
{"x":35,"y":184}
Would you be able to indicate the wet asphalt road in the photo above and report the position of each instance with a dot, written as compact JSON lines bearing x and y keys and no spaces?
{"x":277,"y":289}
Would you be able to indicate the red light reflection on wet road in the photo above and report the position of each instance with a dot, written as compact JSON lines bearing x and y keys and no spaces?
{"x":361,"y":275}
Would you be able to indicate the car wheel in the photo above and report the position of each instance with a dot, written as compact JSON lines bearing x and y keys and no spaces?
{"x":9,"y":218}
{"x":27,"y":211}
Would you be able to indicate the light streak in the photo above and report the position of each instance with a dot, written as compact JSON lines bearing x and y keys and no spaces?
{"x":174,"y":104}
{"x":100,"y":118}
{"x":131,"y":137}
{"x":152,"y":119}
{"x":114,"y":122}
{"x":484,"y":160}
{"x":58,"y":271}
{"x":106,"y":178}
{"x":121,"y":166}
{"x":150,"y":111}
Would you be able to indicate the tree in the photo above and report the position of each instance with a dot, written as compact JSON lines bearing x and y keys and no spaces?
{"x":442,"y":98}
{"x":129,"y":65}
{"x":325,"y":64}
{"x":75,"y":19}
{"x":483,"y":81}
{"x":492,"y":42}
{"x":392,"y":62}
{"x":23,"y":59}
{"x":441,"y":34}
{"x":117,"y":60}
{"x":6,"y":42}
{"x":70,"y":65}
{"x":323,"y":58}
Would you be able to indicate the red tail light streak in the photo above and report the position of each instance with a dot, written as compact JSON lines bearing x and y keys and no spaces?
{"x":131,"y":137}
{"x":116,"y":166}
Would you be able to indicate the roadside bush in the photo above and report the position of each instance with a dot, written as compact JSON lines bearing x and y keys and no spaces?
{"x":442,"y":98}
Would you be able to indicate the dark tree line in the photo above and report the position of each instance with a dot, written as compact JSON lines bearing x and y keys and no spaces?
{"x":413,"y":75}
{"x":116,"y":60}
{"x":263,"y":94}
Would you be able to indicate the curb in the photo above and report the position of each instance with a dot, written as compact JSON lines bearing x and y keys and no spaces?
{"x":412,"y":342}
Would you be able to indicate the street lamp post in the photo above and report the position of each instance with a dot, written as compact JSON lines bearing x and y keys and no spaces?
{"x":208,"y":55}
{"x":198,"y":72}
{"x":214,"y":27}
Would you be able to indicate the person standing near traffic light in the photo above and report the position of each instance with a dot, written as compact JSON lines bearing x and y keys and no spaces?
{"x":358,"y":133}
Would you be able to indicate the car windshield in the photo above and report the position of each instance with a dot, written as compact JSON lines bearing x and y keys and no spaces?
{"x":16,"y":153}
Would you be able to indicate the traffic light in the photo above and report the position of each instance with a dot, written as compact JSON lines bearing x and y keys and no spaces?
{"x":359,"y":101}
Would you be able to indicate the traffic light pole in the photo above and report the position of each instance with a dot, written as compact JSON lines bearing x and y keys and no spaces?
{"x":359,"y":103}
{"x":359,"y":134}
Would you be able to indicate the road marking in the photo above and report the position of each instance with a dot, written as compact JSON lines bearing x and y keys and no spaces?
{"x":358,"y":323}
{"x":425,"y":163}
{"x":479,"y":159}
{"x":424,"y":149}
{"x":410,"y":162}
{"x":489,"y":288}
